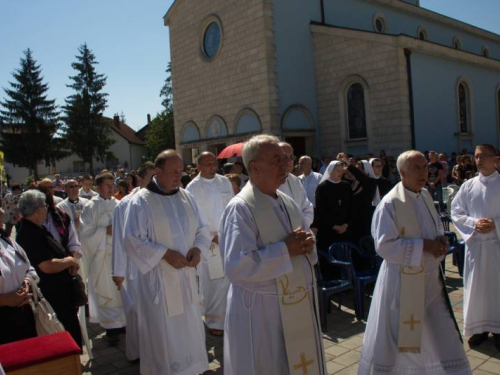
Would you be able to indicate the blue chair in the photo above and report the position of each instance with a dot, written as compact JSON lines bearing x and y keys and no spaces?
{"x":326,"y":290}
{"x":341,"y":253}
{"x":457,"y":248}
{"x":367,"y":245}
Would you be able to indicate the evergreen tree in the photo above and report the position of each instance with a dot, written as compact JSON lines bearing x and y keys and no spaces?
{"x":29,"y":121}
{"x":85,"y":129}
{"x":161,"y":133}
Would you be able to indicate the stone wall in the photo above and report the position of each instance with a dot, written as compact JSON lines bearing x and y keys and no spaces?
{"x":242,"y":74}
{"x":341,"y":58}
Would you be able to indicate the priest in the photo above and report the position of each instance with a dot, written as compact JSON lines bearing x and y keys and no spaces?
{"x":105,"y":303}
{"x":476,"y":215}
{"x":123,"y":270}
{"x":73,"y":204}
{"x":165,"y":236}
{"x":212,"y":192}
{"x":271,"y":324}
{"x":411,"y":327}
{"x":293,"y":186}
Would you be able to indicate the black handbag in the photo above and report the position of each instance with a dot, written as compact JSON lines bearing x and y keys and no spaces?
{"x":78,"y":294}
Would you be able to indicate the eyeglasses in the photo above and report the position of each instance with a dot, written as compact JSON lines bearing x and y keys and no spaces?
{"x":481,"y":157}
{"x":290,"y":158}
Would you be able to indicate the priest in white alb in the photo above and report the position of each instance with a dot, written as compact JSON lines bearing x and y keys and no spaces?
{"x":212,"y":192}
{"x":476,"y":215}
{"x":105,"y":303}
{"x":269,"y":255}
{"x":124,"y":271}
{"x":411,"y":328}
{"x":165,"y":236}
{"x":293,"y":186}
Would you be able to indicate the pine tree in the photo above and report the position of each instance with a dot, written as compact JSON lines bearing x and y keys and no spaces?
{"x":29,"y":121}
{"x":85,"y":130}
{"x":161,"y":133}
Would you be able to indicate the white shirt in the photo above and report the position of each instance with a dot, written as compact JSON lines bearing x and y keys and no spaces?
{"x":311,"y":182}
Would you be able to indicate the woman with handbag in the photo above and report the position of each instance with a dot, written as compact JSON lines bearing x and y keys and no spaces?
{"x":51,"y":261}
{"x":16,"y":317}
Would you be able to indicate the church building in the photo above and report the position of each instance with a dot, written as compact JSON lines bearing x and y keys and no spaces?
{"x":330,"y":75}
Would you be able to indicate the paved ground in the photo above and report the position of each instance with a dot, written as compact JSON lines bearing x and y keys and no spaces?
{"x":342,"y":342}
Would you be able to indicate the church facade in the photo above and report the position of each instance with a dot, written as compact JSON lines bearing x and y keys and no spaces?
{"x":331,"y":75}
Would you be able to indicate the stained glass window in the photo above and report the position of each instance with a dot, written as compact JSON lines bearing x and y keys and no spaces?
{"x":212,"y":39}
{"x":463,"y":104}
{"x":356,"y":111}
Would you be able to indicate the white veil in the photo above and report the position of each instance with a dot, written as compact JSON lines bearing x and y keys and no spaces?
{"x":329,"y":169}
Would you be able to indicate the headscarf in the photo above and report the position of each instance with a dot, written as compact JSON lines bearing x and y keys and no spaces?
{"x":329,"y":169}
{"x":368,"y":165}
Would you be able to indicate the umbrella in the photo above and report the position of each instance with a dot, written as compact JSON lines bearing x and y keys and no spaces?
{"x":231,"y":151}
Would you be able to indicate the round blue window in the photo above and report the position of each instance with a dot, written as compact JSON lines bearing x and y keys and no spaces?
{"x":212,"y":39}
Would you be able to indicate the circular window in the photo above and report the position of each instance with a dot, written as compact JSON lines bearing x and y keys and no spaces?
{"x":379,"y":24}
{"x":212,"y":39}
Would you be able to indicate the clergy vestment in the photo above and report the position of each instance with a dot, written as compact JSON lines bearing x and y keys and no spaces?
{"x":294,"y":189}
{"x":105,"y":303}
{"x":212,"y":197}
{"x":123,"y":267}
{"x":73,"y":208}
{"x":479,"y":198}
{"x":171,"y":332}
{"x":255,"y":340}
{"x":311,"y":182}
{"x":438,"y":349}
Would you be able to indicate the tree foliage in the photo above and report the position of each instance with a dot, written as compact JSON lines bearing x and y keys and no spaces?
{"x":160,"y":134}
{"x":84,"y":130}
{"x":29,"y":121}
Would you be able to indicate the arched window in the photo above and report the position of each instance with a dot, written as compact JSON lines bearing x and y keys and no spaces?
{"x":422,"y":33}
{"x":457,"y":43}
{"x":485,"y":51}
{"x":356,"y":112}
{"x":464,"y":108}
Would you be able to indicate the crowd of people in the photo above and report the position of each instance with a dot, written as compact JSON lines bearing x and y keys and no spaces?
{"x":237,"y":243}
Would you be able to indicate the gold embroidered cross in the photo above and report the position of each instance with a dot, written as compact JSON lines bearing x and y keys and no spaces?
{"x":304,"y":363}
{"x":412,"y":322}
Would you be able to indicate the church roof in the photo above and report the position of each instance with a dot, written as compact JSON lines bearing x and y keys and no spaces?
{"x":124,"y":130}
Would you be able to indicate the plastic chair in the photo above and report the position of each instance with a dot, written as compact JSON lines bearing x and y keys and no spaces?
{"x":457,"y":248}
{"x":367,"y":245}
{"x":326,"y":290}
{"x":341,"y":253}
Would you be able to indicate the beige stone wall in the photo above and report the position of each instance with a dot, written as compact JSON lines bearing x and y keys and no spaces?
{"x":242,"y":75}
{"x":382,"y":67}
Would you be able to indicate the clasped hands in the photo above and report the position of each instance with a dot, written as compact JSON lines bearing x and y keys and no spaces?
{"x":19,"y":298}
{"x":484,"y":225}
{"x":178,"y":261}
{"x":437,"y":247}
{"x":300,"y":242}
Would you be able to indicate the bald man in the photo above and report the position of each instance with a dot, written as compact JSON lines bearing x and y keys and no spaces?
{"x":48,"y":187}
{"x":165,"y":236}
{"x":73,"y":204}
{"x":293,"y":186}
{"x":212,"y":192}
{"x":309,"y":178}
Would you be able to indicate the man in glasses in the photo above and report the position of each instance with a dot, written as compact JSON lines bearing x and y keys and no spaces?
{"x":73,"y":204}
{"x":293,"y":187}
{"x":476,"y":214}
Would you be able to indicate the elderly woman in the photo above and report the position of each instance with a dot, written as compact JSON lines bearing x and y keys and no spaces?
{"x":16,"y":316}
{"x":52,"y":262}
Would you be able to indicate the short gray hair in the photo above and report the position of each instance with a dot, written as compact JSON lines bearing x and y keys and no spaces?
{"x":305,"y":157}
{"x":402,"y":162}
{"x":252,"y":147}
{"x":31,"y":201}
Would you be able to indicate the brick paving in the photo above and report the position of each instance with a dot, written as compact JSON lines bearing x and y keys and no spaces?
{"x":343,"y":342}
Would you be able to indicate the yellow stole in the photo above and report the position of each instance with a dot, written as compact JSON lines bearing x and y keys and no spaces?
{"x":161,"y":226}
{"x":296,"y":315}
{"x":412,"y":294}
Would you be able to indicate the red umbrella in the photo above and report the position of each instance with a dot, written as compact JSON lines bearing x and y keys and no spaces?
{"x":231,"y":151}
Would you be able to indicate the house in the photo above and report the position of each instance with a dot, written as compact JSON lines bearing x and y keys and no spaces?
{"x":329,"y":75}
{"x":129,"y":152}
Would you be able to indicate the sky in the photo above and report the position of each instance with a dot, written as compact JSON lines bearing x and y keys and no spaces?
{"x":130,"y":43}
